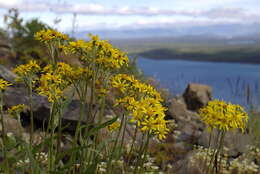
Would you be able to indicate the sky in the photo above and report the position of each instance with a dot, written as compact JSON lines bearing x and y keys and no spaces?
{"x":135,"y":14}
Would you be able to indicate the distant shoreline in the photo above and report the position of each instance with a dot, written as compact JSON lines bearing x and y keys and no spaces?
{"x":227,"y":57}
{"x":204,"y":60}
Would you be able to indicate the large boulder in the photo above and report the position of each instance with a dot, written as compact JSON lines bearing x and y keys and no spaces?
{"x":177,"y":109}
{"x":18,"y":95}
{"x":188,"y":122}
{"x":11,"y":125}
{"x":7,"y":74}
{"x":197,"y":96}
{"x":41,"y":107}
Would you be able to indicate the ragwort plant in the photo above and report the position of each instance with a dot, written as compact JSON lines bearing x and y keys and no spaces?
{"x":91,"y":82}
{"x":140,"y":107}
{"x":223,"y":117}
{"x":5,"y":164}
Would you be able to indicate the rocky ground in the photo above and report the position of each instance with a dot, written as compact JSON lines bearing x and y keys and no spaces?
{"x":176,"y":152}
{"x":178,"y":149}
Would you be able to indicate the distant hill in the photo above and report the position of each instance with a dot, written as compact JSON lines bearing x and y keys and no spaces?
{"x":218,"y":30}
{"x":221,"y":43}
{"x":242,"y":49}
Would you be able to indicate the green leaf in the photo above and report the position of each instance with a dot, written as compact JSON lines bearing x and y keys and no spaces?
{"x":100,"y":126}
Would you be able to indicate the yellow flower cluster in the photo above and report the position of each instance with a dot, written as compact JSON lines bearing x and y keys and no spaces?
{"x":4,"y":84}
{"x":56,"y":78}
{"x":78,"y":46}
{"x":223,"y":116}
{"x":108,"y":56}
{"x":54,"y":81}
{"x":98,"y":51}
{"x":81,"y":73}
{"x":144,"y":104}
{"x":111,"y":58}
{"x":114,"y":126}
{"x":133,"y":87}
{"x":149,"y":115}
{"x":26,"y":70}
{"x":16,"y":109}
{"x":49,"y":35}
{"x":61,"y":68}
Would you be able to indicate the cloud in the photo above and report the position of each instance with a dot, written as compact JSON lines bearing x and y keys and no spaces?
{"x":141,"y":17}
{"x":173,"y":23}
{"x":162,"y":23}
{"x":98,"y":9}
{"x":225,"y":12}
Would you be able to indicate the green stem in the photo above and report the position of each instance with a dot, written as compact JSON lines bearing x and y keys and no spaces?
{"x":140,"y":153}
{"x":132,"y":146}
{"x":92,"y":98}
{"x":145,"y":152}
{"x":90,"y":115}
{"x":59,"y":132}
{"x":115,"y":144}
{"x":78,"y":135}
{"x":52,"y":54}
{"x":51,"y":148}
{"x":31,"y":113}
{"x":124,"y":131}
{"x":89,"y":118}
{"x":207,"y":154}
{"x":221,"y":142}
{"x":100,"y":118}
{"x":79,"y":121}
{"x":213,"y":155}
{"x":6,"y":163}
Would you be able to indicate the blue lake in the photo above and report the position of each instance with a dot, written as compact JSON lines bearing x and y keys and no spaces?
{"x":234,"y":82}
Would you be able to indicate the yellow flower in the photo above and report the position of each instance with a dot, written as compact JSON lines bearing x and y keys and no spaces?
{"x":120,"y":82}
{"x":143,"y":103}
{"x":64,"y":69}
{"x":16,"y":109}
{"x":102,"y":53}
{"x":93,"y":37}
{"x":50,"y":35}
{"x":4,"y":84}
{"x":127,"y":102}
{"x":149,"y":124}
{"x":102,"y":92}
{"x":54,"y":80}
{"x":80,"y":73}
{"x":114,"y":126}
{"x":73,"y":47}
{"x":27,"y":70}
{"x":224,"y":116}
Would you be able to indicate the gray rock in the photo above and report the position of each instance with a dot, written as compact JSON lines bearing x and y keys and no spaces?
{"x":197,"y":96}
{"x":41,"y":107}
{"x":235,"y":141}
{"x":18,"y":95}
{"x":7,"y":74}
{"x":11,"y":125}
{"x":187,"y":165}
{"x":188,"y":122}
{"x":177,"y":109}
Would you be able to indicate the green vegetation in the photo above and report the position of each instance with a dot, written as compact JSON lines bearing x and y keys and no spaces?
{"x":21,"y":33}
{"x":98,"y":74}
{"x":254,"y":128}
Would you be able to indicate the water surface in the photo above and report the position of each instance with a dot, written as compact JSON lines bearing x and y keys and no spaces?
{"x":234,"y":82}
